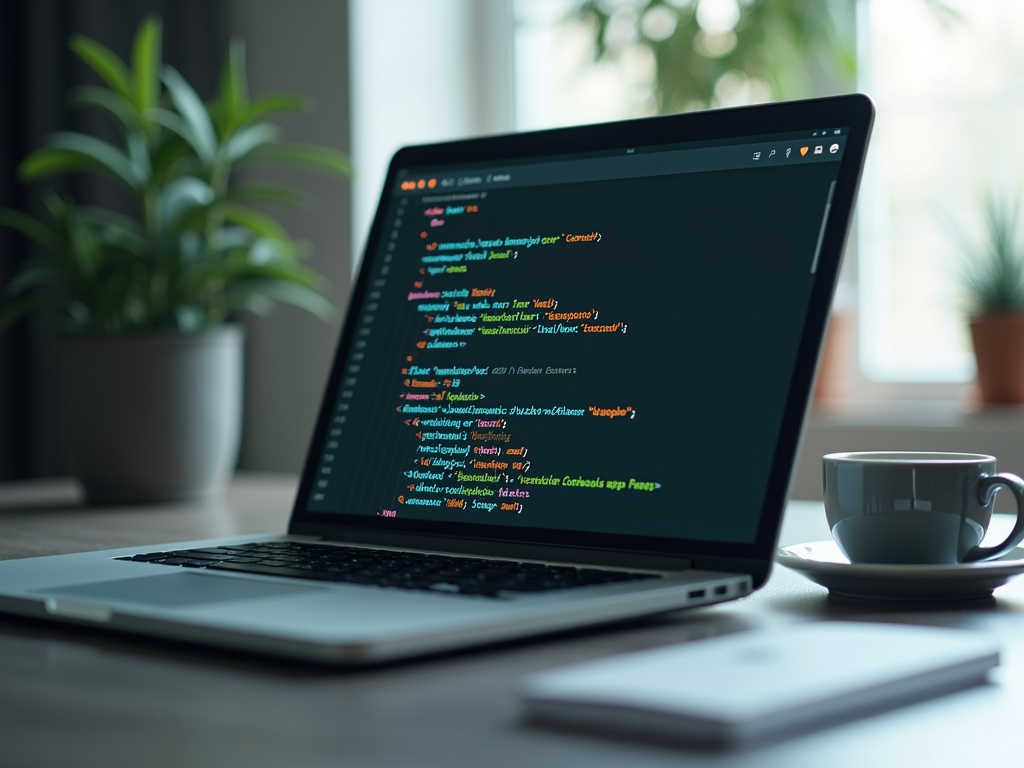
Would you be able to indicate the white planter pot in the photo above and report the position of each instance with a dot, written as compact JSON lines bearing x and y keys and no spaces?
{"x":152,"y":417}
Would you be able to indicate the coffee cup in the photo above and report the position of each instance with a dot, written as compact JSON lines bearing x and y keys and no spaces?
{"x":909,"y":507}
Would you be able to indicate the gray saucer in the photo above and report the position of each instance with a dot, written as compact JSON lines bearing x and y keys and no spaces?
{"x":824,"y":564}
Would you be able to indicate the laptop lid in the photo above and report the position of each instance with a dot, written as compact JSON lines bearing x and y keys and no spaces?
{"x":595,"y":343}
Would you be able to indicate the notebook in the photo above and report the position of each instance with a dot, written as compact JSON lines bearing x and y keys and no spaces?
{"x":569,"y":390}
{"x":755,"y":687}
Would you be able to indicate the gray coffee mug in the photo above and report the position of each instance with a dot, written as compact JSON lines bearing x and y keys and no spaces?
{"x":906,"y":507}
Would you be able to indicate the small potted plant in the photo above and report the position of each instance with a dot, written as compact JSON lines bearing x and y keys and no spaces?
{"x":994,"y":280}
{"x":150,"y":363}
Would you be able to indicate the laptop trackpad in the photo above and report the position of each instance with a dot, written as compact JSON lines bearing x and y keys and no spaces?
{"x":179,"y":589}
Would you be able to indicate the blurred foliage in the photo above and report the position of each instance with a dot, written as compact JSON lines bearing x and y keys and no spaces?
{"x":713,"y":53}
{"x":195,"y":250}
{"x":722,"y":52}
{"x":994,"y":271}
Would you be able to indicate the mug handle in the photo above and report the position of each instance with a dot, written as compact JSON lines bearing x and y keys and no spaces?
{"x":987,"y":487}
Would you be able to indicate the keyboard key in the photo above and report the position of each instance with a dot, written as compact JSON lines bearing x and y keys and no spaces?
{"x":389,"y":568}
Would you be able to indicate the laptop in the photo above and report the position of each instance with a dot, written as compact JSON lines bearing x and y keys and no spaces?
{"x":569,"y":391}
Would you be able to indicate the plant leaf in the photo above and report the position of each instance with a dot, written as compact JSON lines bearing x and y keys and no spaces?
{"x":311,"y":155}
{"x":106,"y":217}
{"x":193,"y":112}
{"x":269,"y":193}
{"x":103,"y":62}
{"x":138,"y":154}
{"x":109,"y":101}
{"x":243,"y":291}
{"x":123,"y":240}
{"x":16,"y":309}
{"x":180,"y":196}
{"x":188,"y":317}
{"x":263,"y":106}
{"x":166,"y":157}
{"x":93,"y":152}
{"x":30,"y":227}
{"x":994,"y":272}
{"x":256,"y":303}
{"x":169,"y":120}
{"x":37,"y":273}
{"x":234,"y":86}
{"x":257,"y":221}
{"x":83,"y":246}
{"x":249,"y":139}
{"x":265,"y":252}
{"x":59,"y":208}
{"x":234,"y":238}
{"x":172,"y":152}
{"x":146,"y":54}
{"x":47,"y":161}
{"x":283,"y":272}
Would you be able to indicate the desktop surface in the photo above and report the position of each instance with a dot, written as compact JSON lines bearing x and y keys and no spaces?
{"x":83,"y":697}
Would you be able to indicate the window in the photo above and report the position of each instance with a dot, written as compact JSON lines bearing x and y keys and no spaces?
{"x":557,"y":80}
{"x":948,"y":79}
{"x":949,"y":87}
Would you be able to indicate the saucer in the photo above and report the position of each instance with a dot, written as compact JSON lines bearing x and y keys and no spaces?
{"x":823,"y":563}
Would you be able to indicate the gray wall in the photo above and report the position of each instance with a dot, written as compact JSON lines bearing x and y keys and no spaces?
{"x":297,"y":46}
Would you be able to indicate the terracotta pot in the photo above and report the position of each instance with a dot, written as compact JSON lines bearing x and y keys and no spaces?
{"x":835,"y":353}
{"x":999,"y":350}
{"x":151,"y":417}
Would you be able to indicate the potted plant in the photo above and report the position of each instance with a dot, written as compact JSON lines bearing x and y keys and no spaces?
{"x":994,"y":281}
{"x":149,"y":362}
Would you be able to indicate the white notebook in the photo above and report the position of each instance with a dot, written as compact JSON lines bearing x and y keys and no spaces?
{"x":763,"y":685}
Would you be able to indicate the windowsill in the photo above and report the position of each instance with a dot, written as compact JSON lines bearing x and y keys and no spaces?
{"x":908,"y":425}
{"x":935,"y":414}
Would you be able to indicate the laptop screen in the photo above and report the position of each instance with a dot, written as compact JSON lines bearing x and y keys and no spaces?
{"x":597,"y":342}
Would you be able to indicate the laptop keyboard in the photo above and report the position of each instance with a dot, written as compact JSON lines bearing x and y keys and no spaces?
{"x":387,"y":568}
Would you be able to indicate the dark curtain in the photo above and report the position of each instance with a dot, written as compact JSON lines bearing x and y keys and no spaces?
{"x":36,"y":71}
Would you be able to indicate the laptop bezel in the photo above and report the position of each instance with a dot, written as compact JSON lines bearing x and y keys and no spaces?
{"x":854,"y":112}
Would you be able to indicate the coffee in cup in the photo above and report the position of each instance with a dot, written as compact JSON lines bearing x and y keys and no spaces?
{"x":910,"y":507}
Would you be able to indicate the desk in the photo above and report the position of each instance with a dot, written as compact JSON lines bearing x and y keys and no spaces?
{"x":79,"y":697}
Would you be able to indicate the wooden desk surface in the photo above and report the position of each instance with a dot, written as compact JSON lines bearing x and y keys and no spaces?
{"x":76,"y":697}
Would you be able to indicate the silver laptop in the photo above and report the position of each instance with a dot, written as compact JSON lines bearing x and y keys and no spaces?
{"x":569,"y":391}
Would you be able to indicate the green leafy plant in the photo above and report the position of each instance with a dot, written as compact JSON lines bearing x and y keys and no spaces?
{"x":993,"y":275}
{"x":195,"y":250}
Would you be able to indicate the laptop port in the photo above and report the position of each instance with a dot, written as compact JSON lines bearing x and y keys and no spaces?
{"x":697,"y":593}
{"x":722,"y":590}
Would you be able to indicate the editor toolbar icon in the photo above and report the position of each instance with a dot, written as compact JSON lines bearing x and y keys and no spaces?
{"x":834,"y":148}
{"x":803,"y":151}
{"x":817,"y":149}
{"x":419,"y":184}
{"x":757,"y":155}
{"x":770,"y":154}
{"x":788,"y":150}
